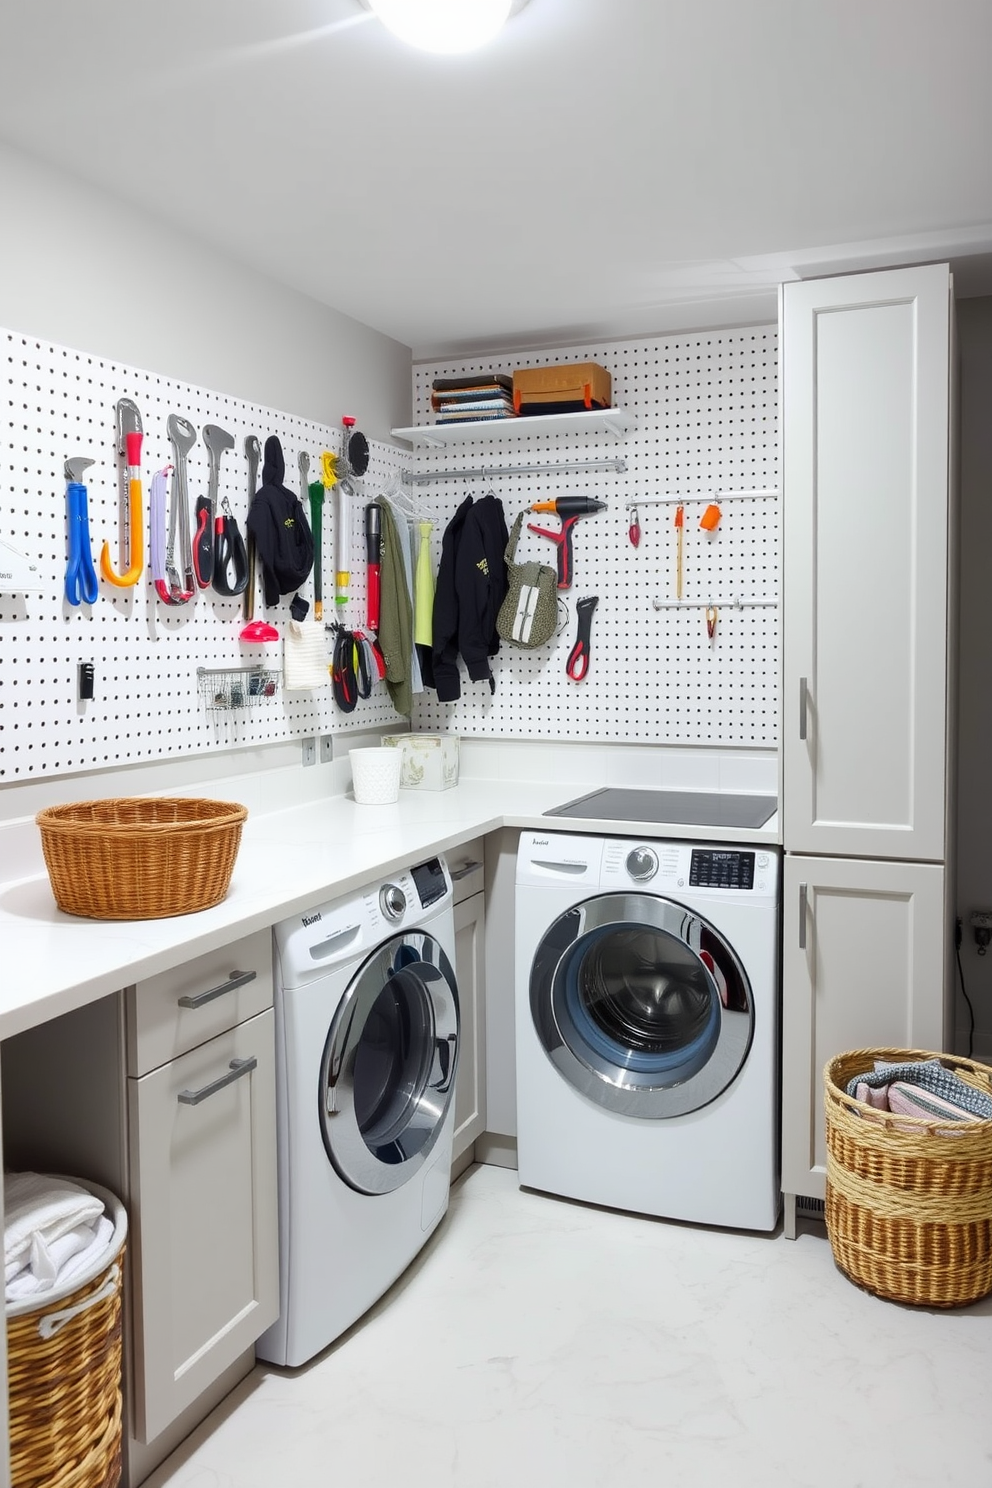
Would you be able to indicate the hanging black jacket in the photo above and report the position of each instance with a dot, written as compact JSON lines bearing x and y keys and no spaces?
{"x":279,"y":527}
{"x":471,"y":586}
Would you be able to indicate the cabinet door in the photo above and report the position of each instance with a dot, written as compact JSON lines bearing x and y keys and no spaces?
{"x":862,"y":968}
{"x":204,"y":1242}
{"x":865,"y":394}
{"x":470,"y":973}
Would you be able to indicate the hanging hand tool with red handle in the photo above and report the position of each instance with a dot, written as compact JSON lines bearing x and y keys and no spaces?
{"x":129,"y":437}
{"x":569,"y":509}
{"x":373,"y":571}
{"x":577,"y":664}
{"x":634,"y":530}
{"x":217,"y":441}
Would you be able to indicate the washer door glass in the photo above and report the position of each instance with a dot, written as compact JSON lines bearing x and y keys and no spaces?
{"x":641,"y":1005}
{"x":388,"y":1070}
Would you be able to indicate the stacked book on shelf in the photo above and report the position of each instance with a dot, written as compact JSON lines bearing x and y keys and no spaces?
{"x":486,"y":395}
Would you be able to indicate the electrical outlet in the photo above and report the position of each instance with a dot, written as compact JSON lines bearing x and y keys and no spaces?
{"x":326,"y":749}
{"x":981,"y":919}
{"x":309,"y":751}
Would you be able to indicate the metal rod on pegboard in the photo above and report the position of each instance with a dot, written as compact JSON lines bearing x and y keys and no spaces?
{"x":487,"y":472}
{"x":765,"y":494}
{"x":724,"y":604}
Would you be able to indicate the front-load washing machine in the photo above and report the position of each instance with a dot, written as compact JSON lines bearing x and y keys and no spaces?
{"x":647,"y":1026}
{"x":367,"y":1035}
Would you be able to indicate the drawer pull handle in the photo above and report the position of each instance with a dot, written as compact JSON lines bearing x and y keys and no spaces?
{"x":238,"y":1068}
{"x":236,"y":979}
{"x":803,"y":707}
{"x":464,"y":870}
{"x":803,"y":912}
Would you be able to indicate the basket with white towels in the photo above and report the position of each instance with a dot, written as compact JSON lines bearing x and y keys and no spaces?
{"x":54,"y":1230}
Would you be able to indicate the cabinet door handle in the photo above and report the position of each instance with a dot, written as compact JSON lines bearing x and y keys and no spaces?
{"x":803,"y":706}
{"x":238,"y":1067}
{"x":803,"y":911}
{"x":236,"y":979}
{"x":464,"y":870}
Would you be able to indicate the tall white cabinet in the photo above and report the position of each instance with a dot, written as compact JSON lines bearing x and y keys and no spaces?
{"x":868,"y":547}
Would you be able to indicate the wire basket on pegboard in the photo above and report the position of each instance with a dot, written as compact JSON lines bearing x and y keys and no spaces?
{"x":64,"y":1374}
{"x":909,"y":1200}
{"x":227,"y":691}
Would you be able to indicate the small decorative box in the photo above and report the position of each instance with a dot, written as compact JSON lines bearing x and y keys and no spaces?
{"x":430,"y":761}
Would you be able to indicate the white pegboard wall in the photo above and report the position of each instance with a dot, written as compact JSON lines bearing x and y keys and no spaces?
{"x":707,"y":422}
{"x":56,"y":404}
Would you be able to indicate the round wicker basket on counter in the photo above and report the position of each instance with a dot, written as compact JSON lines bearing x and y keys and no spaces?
{"x":140,"y":858}
{"x":64,"y":1375}
{"x":909,"y":1201}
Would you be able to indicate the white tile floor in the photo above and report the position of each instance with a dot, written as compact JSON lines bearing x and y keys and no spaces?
{"x":540,"y":1342}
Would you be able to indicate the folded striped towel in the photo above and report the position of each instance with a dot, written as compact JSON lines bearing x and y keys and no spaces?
{"x":921,"y":1088}
{"x":39,"y":1211}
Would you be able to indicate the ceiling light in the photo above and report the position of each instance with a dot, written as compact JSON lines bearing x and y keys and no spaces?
{"x":443,"y":25}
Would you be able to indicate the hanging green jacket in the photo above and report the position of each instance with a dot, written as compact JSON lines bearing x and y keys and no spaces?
{"x":395,"y":615}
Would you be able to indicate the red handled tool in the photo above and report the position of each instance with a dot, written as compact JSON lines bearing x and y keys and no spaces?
{"x":129,"y":437}
{"x":634,"y":530}
{"x":569,"y":509}
{"x":373,"y":572}
{"x":230,"y":554}
{"x":217,"y":441}
{"x":577,"y":664}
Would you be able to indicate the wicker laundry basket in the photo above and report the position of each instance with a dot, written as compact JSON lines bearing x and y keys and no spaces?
{"x":140,"y":858}
{"x":909,"y":1201}
{"x":64,"y":1375}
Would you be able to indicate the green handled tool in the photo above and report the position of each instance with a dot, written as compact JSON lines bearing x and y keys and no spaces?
{"x":316,"y":493}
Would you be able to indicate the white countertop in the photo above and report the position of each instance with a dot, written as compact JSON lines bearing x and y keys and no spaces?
{"x":289,"y":860}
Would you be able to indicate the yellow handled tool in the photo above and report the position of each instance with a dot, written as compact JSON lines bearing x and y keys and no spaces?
{"x":129,"y":437}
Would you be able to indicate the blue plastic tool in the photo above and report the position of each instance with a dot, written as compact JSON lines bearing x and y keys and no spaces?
{"x":81,"y":586}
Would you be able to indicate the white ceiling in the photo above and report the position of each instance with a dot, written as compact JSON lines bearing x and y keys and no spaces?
{"x":606,"y":167}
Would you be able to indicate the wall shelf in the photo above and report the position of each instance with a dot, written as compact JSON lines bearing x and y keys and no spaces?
{"x":618,"y":421}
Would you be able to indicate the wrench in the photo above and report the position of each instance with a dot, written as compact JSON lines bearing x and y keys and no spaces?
{"x":217,"y":441}
{"x":253,"y":454}
{"x":182,"y":437}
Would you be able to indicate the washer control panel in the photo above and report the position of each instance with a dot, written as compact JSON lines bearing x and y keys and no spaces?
{"x":315,"y":942}
{"x":721,"y":869}
{"x":430,"y":881}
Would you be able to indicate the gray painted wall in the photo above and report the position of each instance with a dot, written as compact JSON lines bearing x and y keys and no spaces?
{"x":80,"y":269}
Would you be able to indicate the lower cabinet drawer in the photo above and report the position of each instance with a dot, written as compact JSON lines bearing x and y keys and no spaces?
{"x":204,"y":1222}
{"x":179,"y":1009}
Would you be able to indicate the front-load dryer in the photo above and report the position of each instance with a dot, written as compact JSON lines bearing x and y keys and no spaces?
{"x":367,"y":1037}
{"x":647,"y":1026}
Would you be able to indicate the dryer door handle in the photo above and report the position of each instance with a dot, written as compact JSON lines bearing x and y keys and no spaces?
{"x":445,"y":1049}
